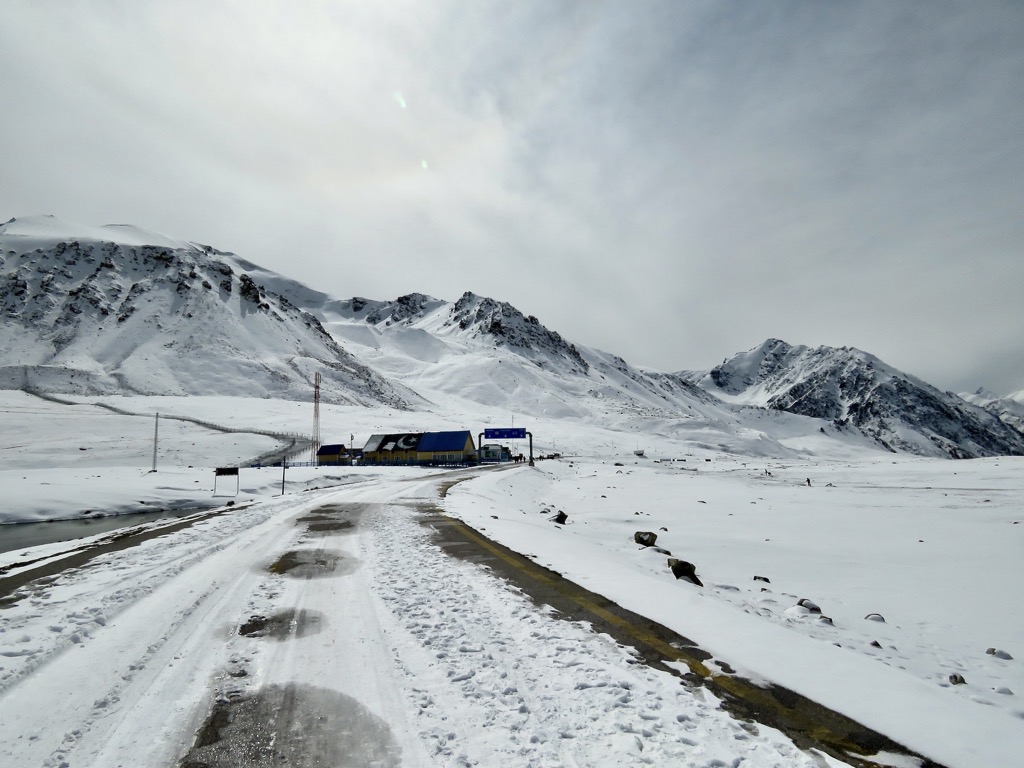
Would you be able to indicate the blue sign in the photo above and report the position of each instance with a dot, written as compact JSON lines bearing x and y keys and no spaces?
{"x":513,"y":433}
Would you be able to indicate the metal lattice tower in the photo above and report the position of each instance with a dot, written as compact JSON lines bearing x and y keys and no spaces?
{"x":315,"y":445}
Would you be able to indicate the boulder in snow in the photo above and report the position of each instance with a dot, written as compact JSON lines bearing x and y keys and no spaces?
{"x":681,"y":569}
{"x":810,"y":605}
{"x":645,"y":538}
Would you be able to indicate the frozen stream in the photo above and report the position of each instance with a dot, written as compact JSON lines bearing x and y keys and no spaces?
{"x":20,"y":535}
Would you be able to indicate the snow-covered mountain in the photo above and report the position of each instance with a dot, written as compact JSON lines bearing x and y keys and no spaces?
{"x":1009,"y":409}
{"x":117,"y":309}
{"x":855,"y":390}
{"x":482,"y":351}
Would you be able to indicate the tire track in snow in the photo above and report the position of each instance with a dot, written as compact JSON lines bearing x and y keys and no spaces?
{"x":158,"y":633}
{"x":324,"y":697}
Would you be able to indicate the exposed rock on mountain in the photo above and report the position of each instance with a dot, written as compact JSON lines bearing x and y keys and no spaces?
{"x":120,"y":310}
{"x":1008,"y":409}
{"x":509,"y":327}
{"x":853,"y":389}
{"x":495,"y":323}
{"x":476,"y":323}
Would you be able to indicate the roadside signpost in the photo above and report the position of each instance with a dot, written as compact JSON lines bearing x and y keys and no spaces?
{"x":226,"y":472}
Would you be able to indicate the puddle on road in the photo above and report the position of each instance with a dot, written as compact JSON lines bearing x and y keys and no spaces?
{"x":293,"y":725}
{"x":313,"y":564}
{"x":284,"y":625}
{"x":329,"y":526}
{"x":332,"y":518}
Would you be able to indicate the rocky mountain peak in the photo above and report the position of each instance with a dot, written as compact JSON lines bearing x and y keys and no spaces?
{"x":92,"y":315}
{"x":509,"y":327}
{"x":403,"y":309}
{"x":853,"y":389}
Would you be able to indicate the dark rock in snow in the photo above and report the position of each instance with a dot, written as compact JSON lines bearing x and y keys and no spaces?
{"x":957,"y":679}
{"x":809,"y":605}
{"x":682,"y":569}
{"x":645,"y":538}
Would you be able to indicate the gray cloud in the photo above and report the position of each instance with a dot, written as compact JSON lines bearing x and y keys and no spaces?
{"x":672,"y":182}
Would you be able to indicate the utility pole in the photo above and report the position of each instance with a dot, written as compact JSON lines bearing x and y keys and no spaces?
{"x":156,"y":437}
{"x":314,"y":447}
{"x":284,"y":466}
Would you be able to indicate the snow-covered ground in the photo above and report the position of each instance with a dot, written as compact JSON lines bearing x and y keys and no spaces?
{"x":435,"y":661}
{"x":915,"y":563}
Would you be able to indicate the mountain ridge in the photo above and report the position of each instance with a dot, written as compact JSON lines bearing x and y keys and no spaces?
{"x":854,"y":389}
{"x":1009,"y":408}
{"x":97,"y":316}
{"x":117,"y":309}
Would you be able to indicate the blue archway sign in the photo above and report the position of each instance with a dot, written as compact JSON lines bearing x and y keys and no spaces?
{"x":509,"y":433}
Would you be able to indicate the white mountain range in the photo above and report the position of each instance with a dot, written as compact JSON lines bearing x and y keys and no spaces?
{"x":115,"y":309}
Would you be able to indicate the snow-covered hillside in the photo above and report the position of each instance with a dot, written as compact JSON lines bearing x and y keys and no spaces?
{"x":119,"y":310}
{"x":855,"y":390}
{"x":477,"y":353}
{"x":1009,"y":409}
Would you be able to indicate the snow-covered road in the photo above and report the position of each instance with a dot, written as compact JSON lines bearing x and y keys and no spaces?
{"x":325,"y":628}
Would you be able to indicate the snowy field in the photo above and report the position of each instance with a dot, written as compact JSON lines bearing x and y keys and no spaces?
{"x":915,"y":565}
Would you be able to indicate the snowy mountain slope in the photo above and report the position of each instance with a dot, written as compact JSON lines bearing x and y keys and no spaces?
{"x":116,"y":309}
{"x":494,"y":324}
{"x":854,"y":389}
{"x":1008,"y":409}
{"x":542,"y":373}
{"x":478,"y":354}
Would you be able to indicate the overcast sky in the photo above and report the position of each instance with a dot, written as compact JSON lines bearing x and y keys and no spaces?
{"x":673,"y":181}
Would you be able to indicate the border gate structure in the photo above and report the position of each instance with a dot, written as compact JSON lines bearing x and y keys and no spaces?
{"x":507,"y":433}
